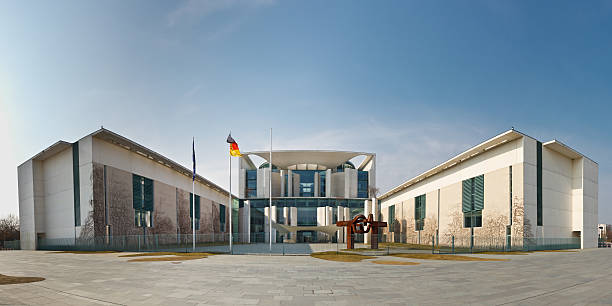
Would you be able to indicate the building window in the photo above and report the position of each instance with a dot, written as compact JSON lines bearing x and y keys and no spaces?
{"x":251,"y":177}
{"x":539,"y":184}
{"x":391,"y":218}
{"x":362,"y":184}
{"x":307,"y":216}
{"x":197,"y":211}
{"x":76,"y":186}
{"x":306,"y":182}
{"x":142,"y":218}
{"x":142,"y":200}
{"x":472,"y":219}
{"x":280,"y":215}
{"x":222,"y":218}
{"x":473,"y":201}
{"x":322,"y":175}
{"x":419,"y":212}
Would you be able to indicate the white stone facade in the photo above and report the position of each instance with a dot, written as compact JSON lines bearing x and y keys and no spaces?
{"x":46,"y":183}
{"x":569,"y":185}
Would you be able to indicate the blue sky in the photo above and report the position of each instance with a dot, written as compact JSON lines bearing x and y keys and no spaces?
{"x":414,"y":82}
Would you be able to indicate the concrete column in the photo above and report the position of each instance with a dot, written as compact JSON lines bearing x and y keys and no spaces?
{"x":350,"y":183}
{"x":342,"y":230}
{"x":328,"y":215}
{"x":263,"y":188}
{"x":267,"y":225}
{"x":367,"y":210}
{"x":282,"y":182}
{"x":289,"y":183}
{"x":244,"y":222}
{"x":320,"y":216}
{"x":375,"y":209}
{"x":317,"y":184}
{"x":328,"y":183}
{"x":293,"y":215}
{"x":286,"y":215}
{"x":242,"y":183}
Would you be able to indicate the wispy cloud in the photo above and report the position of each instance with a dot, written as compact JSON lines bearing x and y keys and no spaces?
{"x":402,"y":151}
{"x":192,"y":10}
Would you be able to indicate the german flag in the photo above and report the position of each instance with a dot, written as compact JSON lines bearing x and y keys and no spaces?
{"x":234,"y":151}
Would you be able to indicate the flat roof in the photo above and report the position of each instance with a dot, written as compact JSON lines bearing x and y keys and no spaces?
{"x":285,"y":158}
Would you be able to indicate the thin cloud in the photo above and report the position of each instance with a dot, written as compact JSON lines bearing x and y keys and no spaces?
{"x":401,"y":152}
{"x":191,"y":10}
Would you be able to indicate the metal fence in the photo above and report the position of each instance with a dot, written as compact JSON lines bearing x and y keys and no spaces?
{"x":9,"y":245}
{"x":258,"y":243}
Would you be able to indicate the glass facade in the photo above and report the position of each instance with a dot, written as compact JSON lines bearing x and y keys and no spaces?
{"x":308,"y":202}
{"x":304,"y":205}
{"x":251,"y":183}
{"x":322,"y":176}
{"x":306,"y":182}
{"x":419,"y":212}
{"x":362,"y":184}
{"x":222,"y":218}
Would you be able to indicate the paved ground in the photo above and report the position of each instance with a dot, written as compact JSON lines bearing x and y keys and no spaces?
{"x":539,"y":278}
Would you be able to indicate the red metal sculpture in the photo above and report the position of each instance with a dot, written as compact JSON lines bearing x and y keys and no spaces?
{"x":361,"y":225}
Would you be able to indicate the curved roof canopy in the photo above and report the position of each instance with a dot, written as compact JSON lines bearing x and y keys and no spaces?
{"x":329,"y":159}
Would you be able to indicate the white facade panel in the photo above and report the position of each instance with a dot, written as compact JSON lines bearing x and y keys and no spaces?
{"x":59,"y":195}
{"x":496,"y":158}
{"x":108,"y":154}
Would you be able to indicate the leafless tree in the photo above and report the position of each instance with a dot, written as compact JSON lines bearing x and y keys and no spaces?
{"x":9,"y":228}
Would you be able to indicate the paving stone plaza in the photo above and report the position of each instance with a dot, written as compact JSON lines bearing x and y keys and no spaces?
{"x":567,"y":278}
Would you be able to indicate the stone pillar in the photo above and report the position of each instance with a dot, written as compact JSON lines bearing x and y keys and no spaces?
{"x":375,"y":209}
{"x":367,"y":210}
{"x":267,"y":224}
{"x":289,"y":183}
{"x":244,"y":222}
{"x":341,"y":230}
{"x":293,"y":215}
{"x":286,"y":215}
{"x":328,"y":183}
{"x":282,"y":182}
{"x":242,"y":183}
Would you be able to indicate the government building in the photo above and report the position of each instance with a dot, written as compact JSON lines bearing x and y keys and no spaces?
{"x":105,"y":189}
{"x":105,"y":185}
{"x":511,"y":186}
{"x":311,"y":191}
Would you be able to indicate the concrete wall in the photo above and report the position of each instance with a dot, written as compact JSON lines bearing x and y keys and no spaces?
{"x":58,"y":195}
{"x":569,"y":193}
{"x":108,"y":154}
{"x":496,"y":158}
{"x":590,"y":203}
{"x":31,"y":196}
{"x":557,"y":172}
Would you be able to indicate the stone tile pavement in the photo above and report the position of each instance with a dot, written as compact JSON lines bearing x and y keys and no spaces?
{"x":559,"y":278}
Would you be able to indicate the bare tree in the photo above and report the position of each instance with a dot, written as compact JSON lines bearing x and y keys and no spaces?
{"x":9,"y":228}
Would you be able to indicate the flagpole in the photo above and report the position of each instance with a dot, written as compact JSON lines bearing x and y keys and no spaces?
{"x":193,"y":216}
{"x":270,"y":183}
{"x":230,"y":203}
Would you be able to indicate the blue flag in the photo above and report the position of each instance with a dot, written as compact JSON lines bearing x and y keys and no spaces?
{"x":193,"y":154}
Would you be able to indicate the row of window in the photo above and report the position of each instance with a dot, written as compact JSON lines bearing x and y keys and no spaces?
{"x":142,"y":202}
{"x":306,"y":216}
{"x":472,"y":195}
{"x":305,"y":202}
{"x":306,"y":183}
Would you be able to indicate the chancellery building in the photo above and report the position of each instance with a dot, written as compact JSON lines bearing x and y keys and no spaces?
{"x":107,"y":188}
